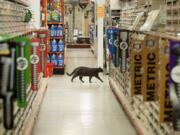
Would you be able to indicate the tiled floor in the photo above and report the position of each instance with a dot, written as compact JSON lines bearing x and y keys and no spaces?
{"x":81,"y":109}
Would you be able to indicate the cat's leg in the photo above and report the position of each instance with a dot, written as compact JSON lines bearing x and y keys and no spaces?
{"x":74,"y":76}
{"x":81,"y":78}
{"x":90,"y":79}
{"x":99,"y":78}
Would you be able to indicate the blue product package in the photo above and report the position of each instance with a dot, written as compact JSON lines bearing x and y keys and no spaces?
{"x":54,"y":60}
{"x":55,"y":31}
{"x":59,"y":31}
{"x":54,"y":46}
{"x":60,"y":60}
{"x":111,"y":40}
{"x":52,"y":31}
{"x":60,"y":47}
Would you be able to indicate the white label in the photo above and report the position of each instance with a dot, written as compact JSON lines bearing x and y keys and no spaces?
{"x":123,"y":45}
{"x":22,"y":63}
{"x":175,"y":74}
{"x":34,"y":59}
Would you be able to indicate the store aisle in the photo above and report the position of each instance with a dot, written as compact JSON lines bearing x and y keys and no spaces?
{"x":81,"y":109}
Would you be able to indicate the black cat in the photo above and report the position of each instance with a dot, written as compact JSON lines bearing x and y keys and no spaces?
{"x":85,"y":71}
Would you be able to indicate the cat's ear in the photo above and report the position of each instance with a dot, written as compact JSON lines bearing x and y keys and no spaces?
{"x":100,"y":69}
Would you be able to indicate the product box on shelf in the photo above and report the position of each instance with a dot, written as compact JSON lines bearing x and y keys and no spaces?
{"x":113,"y":44}
{"x":23,"y":69}
{"x":123,"y":50}
{"x":43,"y":49}
{"x":174,"y":82}
{"x":150,"y":77}
{"x":164,"y":92}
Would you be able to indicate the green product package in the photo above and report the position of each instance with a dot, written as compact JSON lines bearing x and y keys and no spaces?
{"x":23,"y":69}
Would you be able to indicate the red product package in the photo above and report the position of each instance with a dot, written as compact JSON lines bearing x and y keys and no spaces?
{"x":35,"y":63}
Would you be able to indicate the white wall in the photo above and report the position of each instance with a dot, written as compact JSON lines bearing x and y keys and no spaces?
{"x":114,"y":4}
{"x":35,"y":7}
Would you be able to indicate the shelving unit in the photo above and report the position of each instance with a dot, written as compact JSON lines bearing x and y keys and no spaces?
{"x":13,"y":18}
{"x":55,"y":22}
{"x":14,"y":31}
{"x":158,"y":116}
{"x":173,"y":15}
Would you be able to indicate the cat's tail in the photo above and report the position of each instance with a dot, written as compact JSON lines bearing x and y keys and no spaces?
{"x":71,"y":73}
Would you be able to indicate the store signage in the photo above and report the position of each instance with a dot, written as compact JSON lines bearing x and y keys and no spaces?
{"x":166,"y":111}
{"x":100,"y":11}
{"x":137,"y":58}
{"x":150,"y":92}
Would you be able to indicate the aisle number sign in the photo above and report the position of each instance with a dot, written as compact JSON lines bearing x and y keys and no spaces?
{"x":166,"y":111}
{"x":100,"y":11}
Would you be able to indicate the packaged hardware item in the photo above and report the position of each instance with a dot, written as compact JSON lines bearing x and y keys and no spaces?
{"x":35,"y":63}
{"x":113,"y":41}
{"x":23,"y":69}
{"x":124,"y":48}
{"x":174,"y":83}
{"x":43,"y":49}
{"x":8,"y":82}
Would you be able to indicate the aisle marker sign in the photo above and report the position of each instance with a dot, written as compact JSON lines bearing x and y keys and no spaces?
{"x":150,"y":92}
{"x":100,"y":11}
{"x":166,"y":111}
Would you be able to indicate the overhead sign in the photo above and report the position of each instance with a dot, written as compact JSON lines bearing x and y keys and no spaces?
{"x":100,"y":11}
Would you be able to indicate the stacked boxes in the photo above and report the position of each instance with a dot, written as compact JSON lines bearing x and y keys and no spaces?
{"x":173,"y":15}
